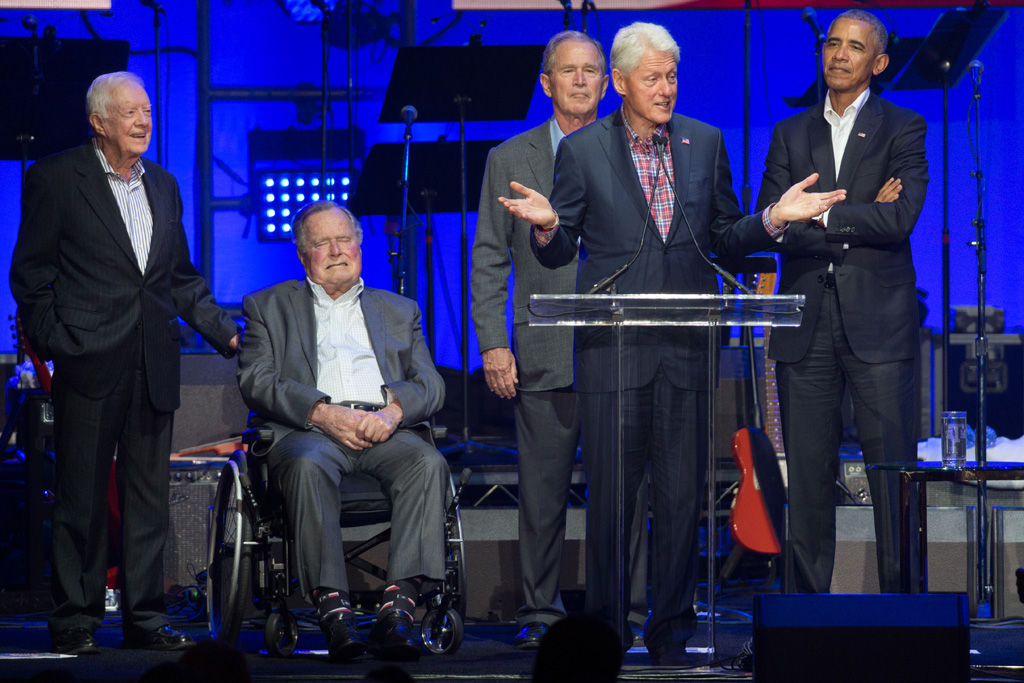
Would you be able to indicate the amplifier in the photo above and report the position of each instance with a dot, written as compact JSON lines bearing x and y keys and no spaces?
{"x":952,"y":551}
{"x":1008,"y":554}
{"x":192,"y":492}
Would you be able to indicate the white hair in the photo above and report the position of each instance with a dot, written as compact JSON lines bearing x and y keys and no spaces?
{"x":633,"y":41}
{"x":99,"y":98}
{"x":312,"y":209}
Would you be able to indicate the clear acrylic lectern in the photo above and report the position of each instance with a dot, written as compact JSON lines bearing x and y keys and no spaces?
{"x":654,"y":310}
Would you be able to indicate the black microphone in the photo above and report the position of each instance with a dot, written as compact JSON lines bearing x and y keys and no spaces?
{"x":977,"y":68}
{"x":605,"y":284}
{"x":409,"y":114}
{"x":29,"y":23}
{"x":726,"y":276}
{"x":811,"y":17}
{"x":153,"y":5}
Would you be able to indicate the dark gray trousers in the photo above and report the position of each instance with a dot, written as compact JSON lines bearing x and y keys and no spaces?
{"x":309,"y":466}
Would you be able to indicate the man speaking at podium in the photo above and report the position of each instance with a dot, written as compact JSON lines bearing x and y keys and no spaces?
{"x":648,"y":194}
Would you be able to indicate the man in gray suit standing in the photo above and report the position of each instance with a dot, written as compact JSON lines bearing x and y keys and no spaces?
{"x":547,"y":419}
{"x":339,"y":371}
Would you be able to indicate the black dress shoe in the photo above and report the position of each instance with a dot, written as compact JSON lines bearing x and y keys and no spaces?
{"x":74,"y":641}
{"x":391,"y":638}
{"x":165,"y":639}
{"x":343,"y":641}
{"x":529,"y":637}
{"x":673,"y":654}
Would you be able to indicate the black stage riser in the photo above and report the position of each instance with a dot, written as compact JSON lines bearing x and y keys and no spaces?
{"x":857,"y":638}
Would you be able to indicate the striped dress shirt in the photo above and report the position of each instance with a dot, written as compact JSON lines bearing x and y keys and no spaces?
{"x":134,"y":205}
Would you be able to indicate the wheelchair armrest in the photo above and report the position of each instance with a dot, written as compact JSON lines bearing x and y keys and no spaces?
{"x":258,"y":440}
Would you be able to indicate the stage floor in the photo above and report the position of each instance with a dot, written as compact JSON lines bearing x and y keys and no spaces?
{"x":486,"y":654}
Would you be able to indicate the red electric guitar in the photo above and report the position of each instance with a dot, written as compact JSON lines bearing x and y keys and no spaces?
{"x":756,"y":516}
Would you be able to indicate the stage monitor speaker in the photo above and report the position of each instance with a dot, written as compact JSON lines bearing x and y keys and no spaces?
{"x":1008,"y":546}
{"x":891,"y":638}
{"x":193,"y":488}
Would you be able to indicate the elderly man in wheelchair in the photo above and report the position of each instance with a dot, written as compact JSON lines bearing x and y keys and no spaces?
{"x":340,"y":372}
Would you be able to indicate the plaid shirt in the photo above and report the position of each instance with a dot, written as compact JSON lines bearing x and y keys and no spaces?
{"x":645,"y":160}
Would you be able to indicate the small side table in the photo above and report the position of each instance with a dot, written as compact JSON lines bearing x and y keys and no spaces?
{"x":921,"y":473}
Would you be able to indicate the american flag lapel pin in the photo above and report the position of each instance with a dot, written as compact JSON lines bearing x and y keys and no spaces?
{"x":861,"y":135}
{"x":685,"y":141}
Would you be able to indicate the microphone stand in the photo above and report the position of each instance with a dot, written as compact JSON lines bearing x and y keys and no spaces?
{"x":403,"y":220}
{"x":156,"y":63}
{"x":325,"y":51}
{"x":981,"y":354}
{"x":567,"y":15}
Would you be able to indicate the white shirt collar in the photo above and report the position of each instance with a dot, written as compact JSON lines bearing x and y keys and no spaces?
{"x":851,"y":111}
{"x":322,"y":298}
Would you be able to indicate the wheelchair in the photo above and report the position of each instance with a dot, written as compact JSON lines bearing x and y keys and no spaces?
{"x":250,"y":556}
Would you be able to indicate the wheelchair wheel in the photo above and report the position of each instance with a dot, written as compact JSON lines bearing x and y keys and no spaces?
{"x":281,"y":632}
{"x":228,"y":586}
{"x":442,"y":633}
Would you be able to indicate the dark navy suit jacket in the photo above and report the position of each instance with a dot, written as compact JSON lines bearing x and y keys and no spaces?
{"x":600,"y":202}
{"x":876,"y":281}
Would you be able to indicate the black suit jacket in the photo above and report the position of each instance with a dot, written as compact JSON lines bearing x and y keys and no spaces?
{"x":599,"y":201}
{"x":875,"y":276}
{"x":80,"y":294}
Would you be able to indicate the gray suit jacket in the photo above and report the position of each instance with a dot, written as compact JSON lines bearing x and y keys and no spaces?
{"x":501,"y":246}
{"x":277,"y":367}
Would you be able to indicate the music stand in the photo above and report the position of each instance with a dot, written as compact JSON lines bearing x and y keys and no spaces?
{"x":463,"y":83}
{"x":431,"y":165}
{"x":694,"y":310}
{"x":44,"y":102}
{"x":899,"y":54}
{"x":955,"y":40}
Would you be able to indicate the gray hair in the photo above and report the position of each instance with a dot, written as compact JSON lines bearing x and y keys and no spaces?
{"x":303,"y":215}
{"x":877,"y":27}
{"x":548,"y":63}
{"x":98,"y":99}
{"x":633,"y":41}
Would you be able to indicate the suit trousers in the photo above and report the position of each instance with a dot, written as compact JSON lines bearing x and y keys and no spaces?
{"x":87,"y":432}
{"x":664,"y":427}
{"x":547,"y":435}
{"x":308,"y":467}
{"x":810,"y":396}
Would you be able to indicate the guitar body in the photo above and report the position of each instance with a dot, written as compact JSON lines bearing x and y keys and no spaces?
{"x":759,"y":505}
{"x":756,"y":516}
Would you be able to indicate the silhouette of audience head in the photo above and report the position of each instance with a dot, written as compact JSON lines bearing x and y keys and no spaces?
{"x":578,"y":649}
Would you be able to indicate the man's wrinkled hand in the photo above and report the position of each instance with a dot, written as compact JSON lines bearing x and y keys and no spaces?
{"x":500,"y":371}
{"x":377,"y":427}
{"x":341,"y":424}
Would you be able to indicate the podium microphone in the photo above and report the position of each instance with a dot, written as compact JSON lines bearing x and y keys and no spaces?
{"x":977,"y":68}
{"x":409,"y":114}
{"x":811,"y":17}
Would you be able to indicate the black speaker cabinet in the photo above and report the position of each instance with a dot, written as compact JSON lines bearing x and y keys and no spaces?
{"x":857,"y":638}
{"x":193,"y":488}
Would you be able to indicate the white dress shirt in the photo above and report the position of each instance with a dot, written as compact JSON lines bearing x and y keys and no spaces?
{"x":347,"y":368}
